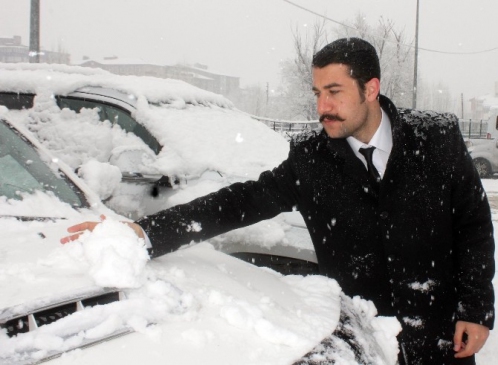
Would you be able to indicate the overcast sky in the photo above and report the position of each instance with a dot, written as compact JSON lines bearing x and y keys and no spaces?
{"x":249,"y":38}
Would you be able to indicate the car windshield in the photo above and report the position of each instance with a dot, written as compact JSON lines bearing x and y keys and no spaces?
{"x":23,"y":171}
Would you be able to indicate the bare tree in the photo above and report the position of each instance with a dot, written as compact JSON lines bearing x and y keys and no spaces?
{"x":251,"y":99}
{"x":436,"y":96}
{"x":296,"y":75}
{"x":395,"y":55}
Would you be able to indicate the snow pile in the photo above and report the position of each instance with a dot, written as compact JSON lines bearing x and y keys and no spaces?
{"x":102,"y":178}
{"x":112,"y":254}
{"x":385,"y":329}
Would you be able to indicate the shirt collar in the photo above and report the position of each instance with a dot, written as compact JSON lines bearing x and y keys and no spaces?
{"x":382,"y":138}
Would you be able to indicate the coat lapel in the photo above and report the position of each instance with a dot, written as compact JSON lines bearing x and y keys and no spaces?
{"x":404,"y":167}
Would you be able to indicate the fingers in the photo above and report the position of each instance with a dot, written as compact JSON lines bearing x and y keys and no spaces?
{"x":67,"y":239}
{"x":476,"y":338}
{"x":78,"y":229}
{"x":458,"y":337}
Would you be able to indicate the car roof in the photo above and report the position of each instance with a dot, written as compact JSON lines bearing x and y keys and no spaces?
{"x":126,"y":101}
{"x":64,"y":79}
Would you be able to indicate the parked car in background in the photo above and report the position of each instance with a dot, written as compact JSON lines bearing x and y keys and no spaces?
{"x":99,"y":300}
{"x":145,"y":144}
{"x":484,"y":153}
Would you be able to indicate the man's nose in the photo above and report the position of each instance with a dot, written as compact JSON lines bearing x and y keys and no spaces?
{"x":323,"y":104}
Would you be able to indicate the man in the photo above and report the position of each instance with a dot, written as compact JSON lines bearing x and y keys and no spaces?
{"x":407,"y":226}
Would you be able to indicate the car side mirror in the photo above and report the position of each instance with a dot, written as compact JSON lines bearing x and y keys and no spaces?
{"x":131,"y":159}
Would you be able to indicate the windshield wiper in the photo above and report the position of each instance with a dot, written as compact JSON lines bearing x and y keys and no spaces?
{"x":29,"y":219}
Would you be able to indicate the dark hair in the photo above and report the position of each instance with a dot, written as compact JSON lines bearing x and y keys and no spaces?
{"x":359,"y":55}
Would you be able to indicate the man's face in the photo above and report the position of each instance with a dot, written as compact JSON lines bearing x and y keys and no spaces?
{"x":344,"y":109}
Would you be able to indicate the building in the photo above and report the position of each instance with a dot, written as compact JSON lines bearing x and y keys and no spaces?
{"x":480,"y":107}
{"x":197,"y":75}
{"x":12,"y":51}
{"x":127,"y":66}
{"x":200,"y":76}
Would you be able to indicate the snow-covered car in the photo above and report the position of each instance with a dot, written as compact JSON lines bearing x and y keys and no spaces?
{"x":197,"y":305}
{"x":159,"y":131}
{"x":146,"y":144}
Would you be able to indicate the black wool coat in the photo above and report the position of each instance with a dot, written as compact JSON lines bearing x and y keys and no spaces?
{"x":421,"y":247}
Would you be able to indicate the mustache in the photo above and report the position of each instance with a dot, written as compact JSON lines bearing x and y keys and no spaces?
{"x":333,"y":117}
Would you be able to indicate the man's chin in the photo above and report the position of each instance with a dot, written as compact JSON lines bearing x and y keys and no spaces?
{"x":334,"y":131}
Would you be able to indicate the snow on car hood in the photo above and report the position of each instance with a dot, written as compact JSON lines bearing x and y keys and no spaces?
{"x":196,"y":305}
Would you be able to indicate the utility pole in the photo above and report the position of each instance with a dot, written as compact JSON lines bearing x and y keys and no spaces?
{"x":415,"y":65}
{"x":34,"y":32}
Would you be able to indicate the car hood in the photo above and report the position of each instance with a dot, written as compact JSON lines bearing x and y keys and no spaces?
{"x":195,"y":305}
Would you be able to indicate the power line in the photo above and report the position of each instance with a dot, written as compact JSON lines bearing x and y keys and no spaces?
{"x":387,"y":40}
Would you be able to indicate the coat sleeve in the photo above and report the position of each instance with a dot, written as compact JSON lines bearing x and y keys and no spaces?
{"x":235,"y":206}
{"x":473,"y":235}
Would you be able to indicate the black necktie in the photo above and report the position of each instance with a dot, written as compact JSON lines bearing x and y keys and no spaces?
{"x":368,"y":152}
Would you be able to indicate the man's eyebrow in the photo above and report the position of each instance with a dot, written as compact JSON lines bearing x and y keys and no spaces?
{"x":328,"y":86}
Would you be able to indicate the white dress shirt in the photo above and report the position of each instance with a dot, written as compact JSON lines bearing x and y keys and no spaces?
{"x":382,"y":140}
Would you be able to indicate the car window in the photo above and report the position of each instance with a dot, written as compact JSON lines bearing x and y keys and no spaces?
{"x":78,"y":104}
{"x":23,"y":171}
{"x":115,"y":115}
{"x":125,"y":121}
{"x":16,"y":101}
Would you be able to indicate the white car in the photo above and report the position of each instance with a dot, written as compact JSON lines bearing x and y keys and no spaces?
{"x":145,"y":144}
{"x":484,"y":153}
{"x":148,"y":127}
{"x":197,"y":305}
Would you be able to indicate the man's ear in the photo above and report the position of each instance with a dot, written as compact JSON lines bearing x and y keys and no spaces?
{"x":372,"y":89}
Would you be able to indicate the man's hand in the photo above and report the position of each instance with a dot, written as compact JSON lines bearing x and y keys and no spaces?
{"x":78,"y":230}
{"x":476,"y":338}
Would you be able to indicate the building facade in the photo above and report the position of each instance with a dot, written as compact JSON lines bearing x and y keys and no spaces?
{"x":12,"y":51}
{"x":197,"y":75}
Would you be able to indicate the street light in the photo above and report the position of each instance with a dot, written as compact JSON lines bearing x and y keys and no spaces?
{"x":34,"y":32}
{"x":415,"y":66}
